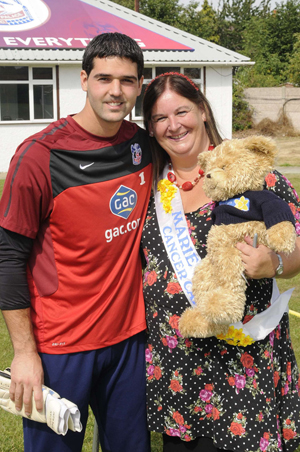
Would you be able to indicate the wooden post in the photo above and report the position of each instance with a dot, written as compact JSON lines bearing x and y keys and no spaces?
{"x":96,"y":442}
{"x":136,"y":5}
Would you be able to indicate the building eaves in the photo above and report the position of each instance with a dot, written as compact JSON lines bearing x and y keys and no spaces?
{"x":41,"y":55}
{"x":69,"y":56}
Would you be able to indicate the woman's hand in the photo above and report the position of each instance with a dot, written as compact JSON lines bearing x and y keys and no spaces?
{"x":262,"y":262}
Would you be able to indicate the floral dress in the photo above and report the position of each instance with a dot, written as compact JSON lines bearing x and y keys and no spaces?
{"x":245,"y":399}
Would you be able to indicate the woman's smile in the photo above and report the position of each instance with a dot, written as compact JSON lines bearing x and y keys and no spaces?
{"x":178,"y":126}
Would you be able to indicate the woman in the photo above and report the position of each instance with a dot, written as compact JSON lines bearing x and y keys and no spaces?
{"x":204,"y":394}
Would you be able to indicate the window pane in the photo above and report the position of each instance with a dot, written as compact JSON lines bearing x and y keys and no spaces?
{"x":192,"y":72}
{"x":14,"y":102}
{"x":148,"y":73}
{"x":43,"y":101}
{"x":138,"y":105}
{"x":42,"y":73}
{"x":162,"y":70}
{"x":13,"y":73}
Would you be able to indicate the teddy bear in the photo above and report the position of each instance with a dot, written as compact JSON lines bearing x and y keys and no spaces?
{"x":235,"y":173}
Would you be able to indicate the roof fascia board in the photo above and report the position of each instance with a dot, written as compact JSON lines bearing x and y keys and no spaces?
{"x":147,"y":63}
{"x":199,"y":64}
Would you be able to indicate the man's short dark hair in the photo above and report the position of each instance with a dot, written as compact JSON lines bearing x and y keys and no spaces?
{"x":113,"y":45}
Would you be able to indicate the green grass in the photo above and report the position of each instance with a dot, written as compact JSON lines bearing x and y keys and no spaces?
{"x":11,"y":438}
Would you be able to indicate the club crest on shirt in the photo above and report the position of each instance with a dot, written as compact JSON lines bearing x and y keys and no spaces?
{"x":241,"y":203}
{"x":136,"y":152}
{"x":123,"y":202}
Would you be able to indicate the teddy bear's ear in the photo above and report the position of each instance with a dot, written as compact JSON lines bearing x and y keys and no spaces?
{"x":203,"y":159}
{"x":259,"y":143}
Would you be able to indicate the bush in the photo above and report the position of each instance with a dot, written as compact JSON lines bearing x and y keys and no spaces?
{"x":241,"y":110}
{"x":281,"y":127}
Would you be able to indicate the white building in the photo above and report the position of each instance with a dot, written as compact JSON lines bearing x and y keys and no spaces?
{"x":41,"y":48}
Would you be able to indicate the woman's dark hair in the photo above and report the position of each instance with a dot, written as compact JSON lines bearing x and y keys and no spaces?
{"x":113,"y":45}
{"x":185,"y":87}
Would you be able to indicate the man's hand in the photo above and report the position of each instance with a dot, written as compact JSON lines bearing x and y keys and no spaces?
{"x":58,"y":413}
{"x":26,"y":377}
{"x":27,"y":374}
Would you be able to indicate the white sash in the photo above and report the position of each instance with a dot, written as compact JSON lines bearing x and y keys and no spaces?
{"x":266,"y":321}
{"x":177,"y":240}
{"x":184,"y":258}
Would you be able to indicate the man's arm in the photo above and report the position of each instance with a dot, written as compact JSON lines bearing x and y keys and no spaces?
{"x":26,"y":368}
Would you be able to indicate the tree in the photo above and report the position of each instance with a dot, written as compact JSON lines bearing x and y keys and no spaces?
{"x":127,"y":3}
{"x":282,"y":25}
{"x":241,"y":111}
{"x":268,"y":67}
{"x":233,"y":17}
{"x":269,"y":42}
{"x":202,"y":23}
{"x":294,"y":64}
{"x":167,"y":11}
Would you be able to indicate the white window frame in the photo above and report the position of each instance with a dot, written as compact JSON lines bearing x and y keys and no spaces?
{"x":198,"y":81}
{"x":33,"y":82}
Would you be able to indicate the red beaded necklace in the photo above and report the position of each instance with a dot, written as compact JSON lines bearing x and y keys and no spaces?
{"x":186,"y":186}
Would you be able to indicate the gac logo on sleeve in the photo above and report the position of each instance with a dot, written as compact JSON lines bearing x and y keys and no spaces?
{"x":123,"y":202}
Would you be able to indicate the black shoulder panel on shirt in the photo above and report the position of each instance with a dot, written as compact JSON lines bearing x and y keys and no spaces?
{"x":70,"y":168}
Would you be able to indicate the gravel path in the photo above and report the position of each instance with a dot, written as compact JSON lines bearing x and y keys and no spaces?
{"x":288,"y":169}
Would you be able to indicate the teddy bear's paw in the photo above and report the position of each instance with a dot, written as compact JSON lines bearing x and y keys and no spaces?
{"x":193,"y":324}
{"x":223,"y":307}
{"x":282,"y":237}
{"x":221,"y":329}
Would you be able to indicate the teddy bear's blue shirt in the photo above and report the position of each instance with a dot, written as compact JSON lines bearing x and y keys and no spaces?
{"x":253,"y":206}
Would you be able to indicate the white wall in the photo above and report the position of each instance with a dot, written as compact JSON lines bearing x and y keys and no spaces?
{"x":72,"y":98}
{"x":219,"y":94}
{"x":269,"y":102}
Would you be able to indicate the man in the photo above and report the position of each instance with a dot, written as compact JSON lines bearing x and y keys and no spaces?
{"x":71,"y":214}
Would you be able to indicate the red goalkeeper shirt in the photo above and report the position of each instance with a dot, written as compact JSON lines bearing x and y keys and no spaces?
{"x":83,"y":199}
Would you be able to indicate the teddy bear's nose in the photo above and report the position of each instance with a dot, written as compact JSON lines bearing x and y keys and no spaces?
{"x":208,"y":176}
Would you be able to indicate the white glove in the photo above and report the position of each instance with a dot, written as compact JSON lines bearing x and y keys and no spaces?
{"x":74,"y":423}
{"x":59,"y":414}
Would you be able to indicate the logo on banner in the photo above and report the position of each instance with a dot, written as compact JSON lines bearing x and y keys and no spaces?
{"x":19,"y":15}
{"x":123,"y":202}
{"x":136,"y":152}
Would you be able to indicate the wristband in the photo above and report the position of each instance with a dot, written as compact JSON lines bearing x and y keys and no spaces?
{"x":279,"y":269}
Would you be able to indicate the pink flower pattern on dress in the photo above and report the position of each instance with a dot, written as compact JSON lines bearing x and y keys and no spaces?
{"x":247,"y":399}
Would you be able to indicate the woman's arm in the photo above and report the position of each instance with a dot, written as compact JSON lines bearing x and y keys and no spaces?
{"x":262,"y":262}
